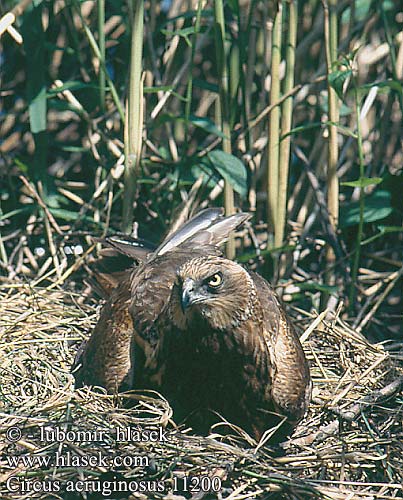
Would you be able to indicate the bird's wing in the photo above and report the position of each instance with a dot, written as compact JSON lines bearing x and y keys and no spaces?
{"x":208,"y":227}
{"x":135,"y":248}
{"x":107,"y":359}
{"x":118,"y":255}
{"x":290,"y":385}
{"x":199,"y":222}
{"x":219,"y":231}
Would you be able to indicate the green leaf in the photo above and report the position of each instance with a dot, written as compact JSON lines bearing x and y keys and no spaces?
{"x":210,"y":176}
{"x":161,"y":119}
{"x":230,"y":169}
{"x":181,"y":32}
{"x":17,"y":211}
{"x":308,"y":126}
{"x":302,"y":128}
{"x":337,"y":80}
{"x":187,"y":15}
{"x":34,"y":44}
{"x":70,"y":216}
{"x":361,"y":10}
{"x":390,"y":229}
{"x":22,"y":166}
{"x":234,"y":6}
{"x":388,"y":5}
{"x":385,"y":84}
{"x":179,"y":96}
{"x":318,"y":287}
{"x":71,"y":85}
{"x":377,"y":207}
{"x":382,"y":231}
{"x":37,"y":112}
{"x":161,"y":88}
{"x":206,"y":124}
{"x":74,"y":149}
{"x":343,"y":130}
{"x":151,"y":182}
{"x":324,"y":104}
{"x":203,"y":84}
{"x":267,"y":251}
{"x":201,"y":122}
{"x":51,"y":47}
{"x":363,"y":182}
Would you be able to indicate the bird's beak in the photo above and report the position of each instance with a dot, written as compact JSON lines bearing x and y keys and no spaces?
{"x":189,"y":296}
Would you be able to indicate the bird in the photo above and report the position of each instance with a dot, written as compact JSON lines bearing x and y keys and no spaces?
{"x":206,"y":332}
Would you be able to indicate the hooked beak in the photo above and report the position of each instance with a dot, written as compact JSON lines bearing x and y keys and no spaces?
{"x":189,"y":296}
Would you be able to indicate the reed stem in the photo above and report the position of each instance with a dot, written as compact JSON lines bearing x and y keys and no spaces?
{"x":274,"y":122}
{"x":189,"y":90}
{"x":331,"y":37}
{"x":134,"y":119}
{"x":353,"y":288}
{"x":222,"y":109}
{"x":97,"y":53}
{"x":101,"y":42}
{"x":286,"y":121}
{"x":333,"y":152}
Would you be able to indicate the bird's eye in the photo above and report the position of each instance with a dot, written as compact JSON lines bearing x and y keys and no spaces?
{"x":215,"y":280}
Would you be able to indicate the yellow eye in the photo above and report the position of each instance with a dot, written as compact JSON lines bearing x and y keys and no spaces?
{"x":215,"y":280}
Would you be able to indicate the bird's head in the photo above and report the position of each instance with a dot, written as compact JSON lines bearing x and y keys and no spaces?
{"x":219,"y":290}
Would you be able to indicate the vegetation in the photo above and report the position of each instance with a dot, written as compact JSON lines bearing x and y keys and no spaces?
{"x":348,"y":446}
{"x":264,"y":96}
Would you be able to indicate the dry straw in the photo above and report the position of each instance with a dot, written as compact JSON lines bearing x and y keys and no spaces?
{"x":348,"y":446}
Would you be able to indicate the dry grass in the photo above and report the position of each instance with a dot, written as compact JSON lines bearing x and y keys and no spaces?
{"x":342,"y":449}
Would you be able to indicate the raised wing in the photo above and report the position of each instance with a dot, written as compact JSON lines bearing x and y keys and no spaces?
{"x":135,"y":248}
{"x":202,"y":220}
{"x":219,"y":231}
{"x":208,"y":227}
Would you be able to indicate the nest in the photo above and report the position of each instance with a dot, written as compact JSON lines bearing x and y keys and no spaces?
{"x":348,"y":446}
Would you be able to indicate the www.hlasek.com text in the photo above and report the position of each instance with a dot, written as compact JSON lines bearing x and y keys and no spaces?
{"x":68,"y":459}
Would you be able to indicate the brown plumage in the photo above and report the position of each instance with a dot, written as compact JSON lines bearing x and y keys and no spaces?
{"x":204,"y":331}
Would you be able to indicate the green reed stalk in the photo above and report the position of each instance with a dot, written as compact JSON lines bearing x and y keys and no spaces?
{"x":357,"y":255}
{"x":331,"y":37}
{"x":134,"y":119}
{"x":234,"y":82}
{"x":333,"y":154}
{"x":286,"y":121}
{"x":189,"y":90}
{"x":222,"y":108}
{"x":274,"y":122}
{"x":97,"y":53}
{"x":101,"y":42}
{"x":246,"y":65}
{"x":396,"y":72}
